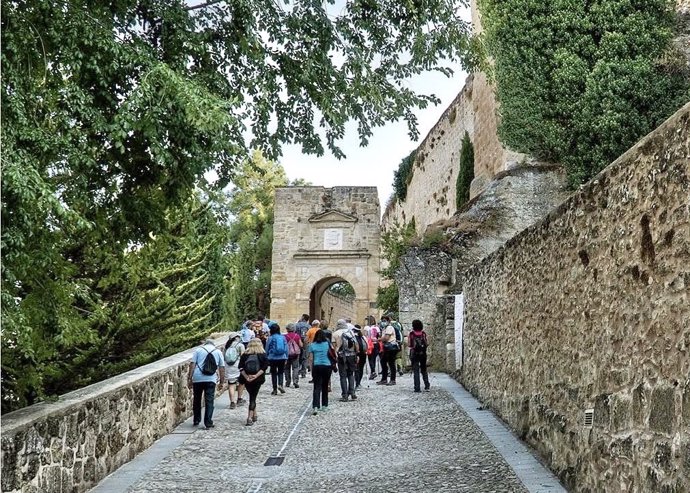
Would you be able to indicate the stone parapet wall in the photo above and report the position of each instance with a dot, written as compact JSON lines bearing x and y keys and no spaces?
{"x":590,"y":309}
{"x":431,"y":192}
{"x":71,"y":444}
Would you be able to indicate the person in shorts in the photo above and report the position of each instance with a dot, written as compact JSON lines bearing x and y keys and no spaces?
{"x":233,"y":351}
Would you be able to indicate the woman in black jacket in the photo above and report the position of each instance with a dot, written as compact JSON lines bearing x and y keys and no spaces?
{"x":253,"y":364}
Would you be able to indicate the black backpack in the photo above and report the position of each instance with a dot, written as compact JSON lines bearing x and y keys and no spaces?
{"x":210,"y":365}
{"x":347,"y":346}
{"x":420,"y":344}
{"x":252,"y":365}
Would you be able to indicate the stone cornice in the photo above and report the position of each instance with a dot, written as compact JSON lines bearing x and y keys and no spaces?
{"x":333,"y":216}
{"x":326,"y":254}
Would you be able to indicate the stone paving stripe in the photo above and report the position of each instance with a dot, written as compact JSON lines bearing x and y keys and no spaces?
{"x":294,"y":428}
{"x":532,"y":473}
{"x":255,"y":487}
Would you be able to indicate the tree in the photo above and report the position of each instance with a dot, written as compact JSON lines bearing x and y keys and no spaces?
{"x":465,"y":172}
{"x":114,"y":111}
{"x":580,"y":82}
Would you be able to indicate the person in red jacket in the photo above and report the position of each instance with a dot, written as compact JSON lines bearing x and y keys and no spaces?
{"x":418,"y":344}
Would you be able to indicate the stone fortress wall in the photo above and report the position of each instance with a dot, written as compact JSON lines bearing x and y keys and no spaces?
{"x":72,"y":444}
{"x":590,"y":309}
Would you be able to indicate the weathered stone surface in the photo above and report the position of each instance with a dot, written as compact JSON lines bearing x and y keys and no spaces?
{"x":589,"y":296}
{"x":662,"y":413}
{"x":322,"y":236}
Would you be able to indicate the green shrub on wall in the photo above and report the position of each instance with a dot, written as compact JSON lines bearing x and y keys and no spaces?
{"x":403,"y":176}
{"x":580,"y":82}
{"x":465,"y":173}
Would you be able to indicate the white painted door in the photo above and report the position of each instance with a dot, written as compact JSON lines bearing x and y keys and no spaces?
{"x":459,"y":322}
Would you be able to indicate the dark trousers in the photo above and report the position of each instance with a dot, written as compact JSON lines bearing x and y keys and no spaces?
{"x":372,"y":360}
{"x":208,"y":389}
{"x":277,"y":372}
{"x":388,"y":364}
{"x":292,"y":371}
{"x":347,"y":365}
{"x":303,"y":359}
{"x":321,"y":375}
{"x":360,"y":369}
{"x":419,"y":365}
{"x":253,"y":390}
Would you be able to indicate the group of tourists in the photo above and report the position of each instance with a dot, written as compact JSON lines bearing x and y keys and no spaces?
{"x":260,"y":347}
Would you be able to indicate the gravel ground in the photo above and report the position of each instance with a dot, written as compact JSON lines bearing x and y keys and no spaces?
{"x":389,"y":440}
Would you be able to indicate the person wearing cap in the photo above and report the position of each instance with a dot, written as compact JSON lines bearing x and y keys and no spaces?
{"x":233,"y":351}
{"x":203,"y":384}
{"x":346,"y":348}
{"x":292,"y":367}
{"x":361,"y":355}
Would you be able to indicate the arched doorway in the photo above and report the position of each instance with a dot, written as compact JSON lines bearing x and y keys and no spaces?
{"x":333,"y":298}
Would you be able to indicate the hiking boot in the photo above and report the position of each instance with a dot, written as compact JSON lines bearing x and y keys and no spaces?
{"x":343,"y":398}
{"x":196,"y":423}
{"x":372,"y":376}
{"x":281,"y":389}
{"x":275,"y":392}
{"x":296,"y":386}
{"x":417,"y":390}
{"x":233,"y":405}
{"x":240,"y":401}
{"x":315,"y":411}
{"x":382,"y":382}
{"x":254,"y":418}
{"x":249,"y":422}
{"x":354,"y":397}
{"x":427,"y":389}
{"x":391,"y":383}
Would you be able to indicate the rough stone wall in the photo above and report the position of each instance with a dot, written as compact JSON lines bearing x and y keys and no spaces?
{"x":426,"y":274}
{"x":322,"y":236}
{"x":590,"y":308}
{"x":514,"y":200}
{"x":431,"y":193}
{"x":336,"y":307}
{"x":71,"y":444}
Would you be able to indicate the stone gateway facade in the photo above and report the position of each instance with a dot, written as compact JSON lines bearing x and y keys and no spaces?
{"x":322,"y":236}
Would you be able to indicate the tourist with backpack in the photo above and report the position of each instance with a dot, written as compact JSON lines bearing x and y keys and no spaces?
{"x":400,"y":358}
{"x":301,"y":328}
{"x":391,"y":347}
{"x":321,"y":368}
{"x":253,"y":364}
{"x":372,"y":334}
{"x":277,"y":351}
{"x":346,"y":349}
{"x":292,"y":368}
{"x":361,"y":356}
{"x":418,"y":343}
{"x":233,"y":351}
{"x":206,"y":370}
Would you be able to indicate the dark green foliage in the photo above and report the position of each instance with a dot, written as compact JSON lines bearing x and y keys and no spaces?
{"x":580,"y":82}
{"x":394,"y":243}
{"x":343,"y":289}
{"x":113,"y":113}
{"x":465,"y":172}
{"x":403,"y":176}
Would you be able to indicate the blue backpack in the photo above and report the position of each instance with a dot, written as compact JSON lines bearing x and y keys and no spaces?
{"x":280,"y":346}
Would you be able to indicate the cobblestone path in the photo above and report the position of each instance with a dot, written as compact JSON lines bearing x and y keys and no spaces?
{"x":389,"y":440}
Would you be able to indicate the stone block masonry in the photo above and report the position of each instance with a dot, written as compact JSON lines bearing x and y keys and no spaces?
{"x":71,"y":444}
{"x":590,"y":310}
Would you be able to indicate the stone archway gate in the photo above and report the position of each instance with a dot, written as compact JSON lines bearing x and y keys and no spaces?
{"x":322,"y":236}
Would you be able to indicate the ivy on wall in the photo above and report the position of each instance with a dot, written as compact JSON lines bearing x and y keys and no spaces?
{"x":580,"y":82}
{"x":403,"y":176}
{"x":465,"y":173}
{"x":394,"y":243}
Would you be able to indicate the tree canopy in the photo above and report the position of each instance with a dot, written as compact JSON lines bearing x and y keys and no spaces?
{"x":113,"y":114}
